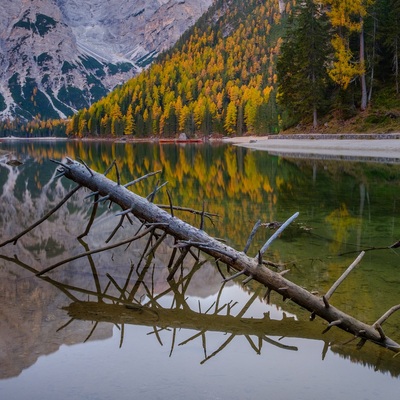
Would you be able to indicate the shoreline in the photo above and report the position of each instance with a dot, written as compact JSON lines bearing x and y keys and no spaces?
{"x":368,"y":147}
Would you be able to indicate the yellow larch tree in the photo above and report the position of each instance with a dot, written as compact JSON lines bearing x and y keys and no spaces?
{"x":347,"y":16}
{"x":129,"y":121}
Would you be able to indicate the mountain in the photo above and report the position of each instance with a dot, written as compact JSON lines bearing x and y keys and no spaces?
{"x":218,"y":78}
{"x":58,"y":56}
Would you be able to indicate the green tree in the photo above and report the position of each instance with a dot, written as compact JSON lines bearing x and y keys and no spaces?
{"x":301,"y":67}
{"x":391,"y":37}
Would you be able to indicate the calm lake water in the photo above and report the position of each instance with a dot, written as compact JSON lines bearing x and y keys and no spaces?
{"x":110,"y":326}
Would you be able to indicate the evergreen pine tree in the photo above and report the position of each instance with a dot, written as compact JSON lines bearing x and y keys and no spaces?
{"x":391,"y":37}
{"x":301,"y":67}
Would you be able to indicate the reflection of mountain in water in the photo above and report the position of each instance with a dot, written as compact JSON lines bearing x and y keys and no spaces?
{"x":31,"y":309}
{"x":31,"y":314}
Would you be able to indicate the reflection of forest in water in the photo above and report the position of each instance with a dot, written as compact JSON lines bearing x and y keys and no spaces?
{"x":347,"y":207}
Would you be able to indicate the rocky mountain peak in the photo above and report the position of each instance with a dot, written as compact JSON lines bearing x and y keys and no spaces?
{"x":57,"y":56}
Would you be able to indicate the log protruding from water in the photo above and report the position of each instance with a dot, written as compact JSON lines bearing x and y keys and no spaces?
{"x":189,"y":236}
{"x":186,"y":237}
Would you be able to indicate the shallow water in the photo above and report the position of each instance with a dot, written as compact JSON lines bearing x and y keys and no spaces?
{"x":194,"y":337}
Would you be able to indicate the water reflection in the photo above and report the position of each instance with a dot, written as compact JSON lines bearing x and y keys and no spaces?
{"x":343,"y":208}
{"x":195,"y":301}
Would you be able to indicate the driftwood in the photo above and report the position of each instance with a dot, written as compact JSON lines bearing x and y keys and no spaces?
{"x":188,"y":237}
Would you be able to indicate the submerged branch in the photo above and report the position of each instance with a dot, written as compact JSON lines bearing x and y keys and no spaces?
{"x":385,"y":316}
{"x":344,"y":275}
{"x":278,"y":232}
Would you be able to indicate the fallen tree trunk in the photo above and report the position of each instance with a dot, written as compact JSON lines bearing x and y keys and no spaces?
{"x":188,"y":236}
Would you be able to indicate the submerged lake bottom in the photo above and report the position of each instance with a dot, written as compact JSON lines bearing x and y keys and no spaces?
{"x":110,"y":324}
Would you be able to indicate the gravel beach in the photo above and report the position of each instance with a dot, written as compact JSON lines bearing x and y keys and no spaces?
{"x":321,"y":146}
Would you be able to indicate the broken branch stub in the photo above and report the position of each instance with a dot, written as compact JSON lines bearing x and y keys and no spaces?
{"x":148,"y":212}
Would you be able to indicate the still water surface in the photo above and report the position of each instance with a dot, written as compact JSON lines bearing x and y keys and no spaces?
{"x":72,"y":335}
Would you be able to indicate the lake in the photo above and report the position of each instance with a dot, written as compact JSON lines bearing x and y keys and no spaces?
{"x":109,"y":324}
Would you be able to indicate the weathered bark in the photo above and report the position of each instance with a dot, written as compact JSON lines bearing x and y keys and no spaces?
{"x":189,"y":236}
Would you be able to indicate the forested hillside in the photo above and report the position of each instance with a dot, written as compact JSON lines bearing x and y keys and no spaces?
{"x":220,"y":77}
{"x":260,"y":67}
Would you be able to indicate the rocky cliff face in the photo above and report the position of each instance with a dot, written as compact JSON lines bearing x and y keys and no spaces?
{"x":57,"y":56}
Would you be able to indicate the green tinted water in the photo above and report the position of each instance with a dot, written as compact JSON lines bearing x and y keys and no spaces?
{"x":344,"y":208}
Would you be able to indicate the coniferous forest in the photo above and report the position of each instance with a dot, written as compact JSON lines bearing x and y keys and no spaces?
{"x":260,"y":67}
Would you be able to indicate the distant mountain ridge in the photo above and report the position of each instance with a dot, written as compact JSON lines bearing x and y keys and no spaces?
{"x":58,"y":56}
